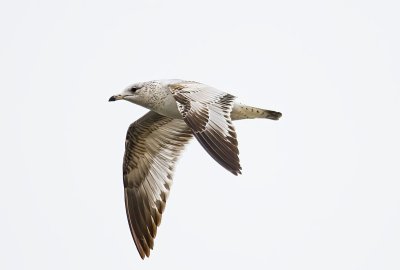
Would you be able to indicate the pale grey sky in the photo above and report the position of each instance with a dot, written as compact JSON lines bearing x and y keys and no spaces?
{"x":320,"y":188}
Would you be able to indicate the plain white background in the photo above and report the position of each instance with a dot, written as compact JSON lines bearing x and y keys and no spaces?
{"x":319,"y":190}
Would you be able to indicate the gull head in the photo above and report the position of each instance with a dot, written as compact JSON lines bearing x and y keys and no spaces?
{"x":134,"y":93}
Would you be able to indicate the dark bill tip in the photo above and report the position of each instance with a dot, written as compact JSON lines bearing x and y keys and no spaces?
{"x":112,"y":98}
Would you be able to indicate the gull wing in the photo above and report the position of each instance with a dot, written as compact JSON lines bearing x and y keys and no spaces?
{"x":206,"y":111}
{"x":152,"y":147}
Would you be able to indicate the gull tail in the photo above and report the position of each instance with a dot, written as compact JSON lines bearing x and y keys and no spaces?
{"x":273,"y":115}
{"x":241,"y":111}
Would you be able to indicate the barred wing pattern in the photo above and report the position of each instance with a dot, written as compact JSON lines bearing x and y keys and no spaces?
{"x":152,"y":147}
{"x":206,"y":111}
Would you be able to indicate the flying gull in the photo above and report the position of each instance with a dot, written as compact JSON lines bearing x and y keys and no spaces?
{"x":179,"y":110}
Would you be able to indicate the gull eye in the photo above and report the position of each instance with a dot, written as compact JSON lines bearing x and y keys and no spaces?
{"x":134,"y":89}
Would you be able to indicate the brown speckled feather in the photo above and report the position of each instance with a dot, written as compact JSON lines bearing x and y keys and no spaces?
{"x":153,"y":145}
{"x":206,"y":111}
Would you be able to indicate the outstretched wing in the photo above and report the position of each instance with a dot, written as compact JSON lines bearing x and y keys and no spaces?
{"x":207,"y":111}
{"x":152,"y":147}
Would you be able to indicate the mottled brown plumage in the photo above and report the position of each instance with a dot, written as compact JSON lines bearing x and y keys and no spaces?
{"x":207,"y":112}
{"x":179,"y":110}
{"x":153,"y":144}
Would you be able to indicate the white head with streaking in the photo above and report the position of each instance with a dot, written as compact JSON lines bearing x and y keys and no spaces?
{"x":153,"y":95}
{"x":179,"y":110}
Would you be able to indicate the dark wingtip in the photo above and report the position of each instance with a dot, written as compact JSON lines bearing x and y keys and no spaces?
{"x":112,"y":99}
{"x":236,"y":172}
